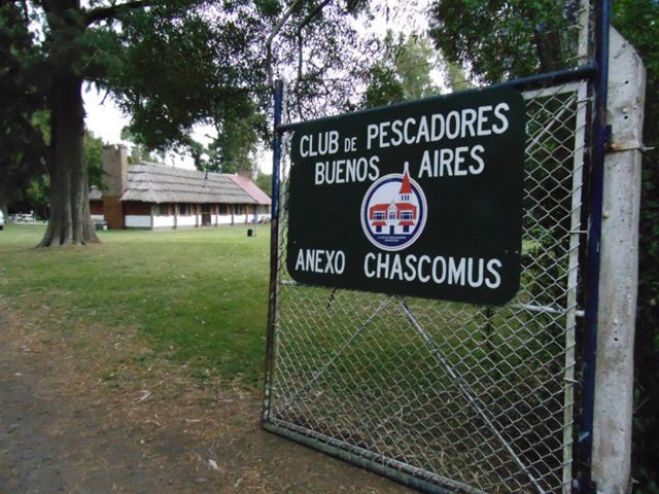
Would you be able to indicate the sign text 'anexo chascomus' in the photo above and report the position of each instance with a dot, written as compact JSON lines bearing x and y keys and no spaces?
{"x":422,"y":198}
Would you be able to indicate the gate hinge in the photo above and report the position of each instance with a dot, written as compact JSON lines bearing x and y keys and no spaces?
{"x":613,"y":146}
{"x":619,"y":147}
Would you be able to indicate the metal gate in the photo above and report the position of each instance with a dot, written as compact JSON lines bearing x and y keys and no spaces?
{"x":450,"y":397}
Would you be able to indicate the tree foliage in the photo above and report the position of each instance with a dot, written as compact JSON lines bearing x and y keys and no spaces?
{"x":500,"y":40}
{"x":403,"y":73}
{"x":264,"y":182}
{"x":210,"y":64}
{"x":22,"y":146}
{"x":33,"y":193}
{"x":384,"y":87}
{"x":138,"y":151}
{"x":93,"y":159}
{"x":233,"y":148}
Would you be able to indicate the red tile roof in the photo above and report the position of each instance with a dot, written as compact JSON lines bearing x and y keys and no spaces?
{"x":251,"y":189}
{"x":379,"y":207}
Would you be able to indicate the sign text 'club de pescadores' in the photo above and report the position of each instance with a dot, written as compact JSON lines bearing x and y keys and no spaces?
{"x":422,"y":198}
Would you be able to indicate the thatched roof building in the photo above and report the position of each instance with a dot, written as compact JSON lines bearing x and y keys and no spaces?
{"x":155,"y":183}
{"x":150,"y":195}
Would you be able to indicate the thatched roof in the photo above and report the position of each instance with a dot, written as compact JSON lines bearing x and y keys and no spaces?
{"x":156,"y":183}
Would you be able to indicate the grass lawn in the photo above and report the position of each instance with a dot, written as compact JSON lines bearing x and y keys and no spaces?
{"x":201,"y":295}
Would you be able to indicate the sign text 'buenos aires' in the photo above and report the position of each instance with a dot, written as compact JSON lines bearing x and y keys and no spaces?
{"x":422,"y":198}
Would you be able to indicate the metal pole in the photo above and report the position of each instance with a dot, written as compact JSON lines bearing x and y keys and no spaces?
{"x":600,"y":137}
{"x":274,"y":247}
{"x":576,"y":231}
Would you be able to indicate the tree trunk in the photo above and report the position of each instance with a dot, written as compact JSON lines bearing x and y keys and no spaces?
{"x":69,"y":221}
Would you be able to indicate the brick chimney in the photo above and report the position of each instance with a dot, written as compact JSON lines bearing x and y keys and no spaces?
{"x":115,"y":164}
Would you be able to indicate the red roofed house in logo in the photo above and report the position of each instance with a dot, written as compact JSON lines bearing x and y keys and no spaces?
{"x":393,"y":212}
{"x":397,"y":216}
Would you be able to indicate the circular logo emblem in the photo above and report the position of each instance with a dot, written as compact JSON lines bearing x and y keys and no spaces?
{"x":393,"y":212}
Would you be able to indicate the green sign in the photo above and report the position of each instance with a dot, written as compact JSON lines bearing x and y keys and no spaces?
{"x":422,"y":198}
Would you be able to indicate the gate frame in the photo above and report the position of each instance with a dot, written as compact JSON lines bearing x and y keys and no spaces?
{"x":595,"y":73}
{"x":601,"y":135}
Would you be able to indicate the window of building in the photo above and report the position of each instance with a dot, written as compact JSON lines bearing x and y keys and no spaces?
{"x":161,"y":210}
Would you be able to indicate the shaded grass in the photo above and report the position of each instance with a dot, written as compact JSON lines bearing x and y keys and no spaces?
{"x":201,"y":295}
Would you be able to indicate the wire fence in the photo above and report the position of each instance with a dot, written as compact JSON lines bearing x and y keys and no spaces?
{"x":457,"y":397}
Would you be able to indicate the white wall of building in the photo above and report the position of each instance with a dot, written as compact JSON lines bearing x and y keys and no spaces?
{"x":188,"y":221}
{"x":167,"y":221}
{"x":135,"y":221}
{"x":163,"y":222}
{"x":221,"y":219}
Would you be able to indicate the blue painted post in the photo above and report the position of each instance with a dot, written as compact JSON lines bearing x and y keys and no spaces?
{"x":599,"y":144}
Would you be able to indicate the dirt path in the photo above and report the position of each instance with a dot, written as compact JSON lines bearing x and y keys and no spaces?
{"x":93,"y":410}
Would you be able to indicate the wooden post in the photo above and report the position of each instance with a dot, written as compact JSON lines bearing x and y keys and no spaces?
{"x":614,"y":386}
{"x":175,"y":216}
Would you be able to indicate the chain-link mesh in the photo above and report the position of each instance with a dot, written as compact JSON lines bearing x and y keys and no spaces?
{"x":466,"y":398}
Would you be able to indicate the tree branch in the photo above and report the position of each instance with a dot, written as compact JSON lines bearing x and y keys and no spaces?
{"x":273,"y":33}
{"x":313,"y":14}
{"x":25,"y":12}
{"x":300,"y":47}
{"x":103,"y":13}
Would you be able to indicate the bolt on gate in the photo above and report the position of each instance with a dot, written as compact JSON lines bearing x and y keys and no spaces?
{"x":456,"y":397}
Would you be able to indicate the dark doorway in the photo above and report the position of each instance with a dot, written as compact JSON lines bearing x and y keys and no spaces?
{"x":205,"y":215}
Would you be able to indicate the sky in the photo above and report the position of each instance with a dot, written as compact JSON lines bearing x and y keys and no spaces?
{"x":105,"y":120}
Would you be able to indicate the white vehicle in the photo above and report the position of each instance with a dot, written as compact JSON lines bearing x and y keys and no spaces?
{"x":2,"y":220}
